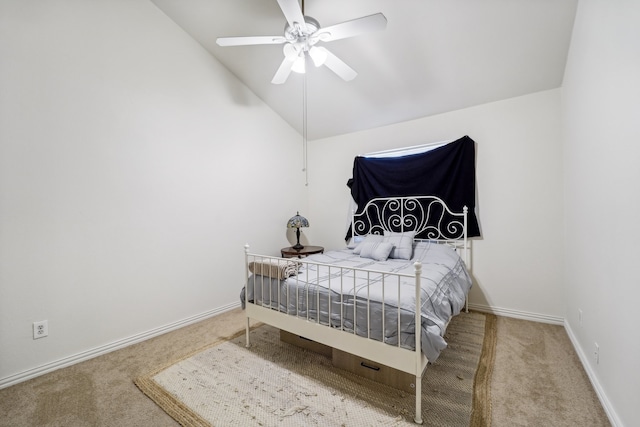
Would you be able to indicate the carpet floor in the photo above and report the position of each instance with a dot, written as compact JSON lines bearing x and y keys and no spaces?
{"x":100,"y":392}
{"x":274,"y":383}
{"x":545,"y":384}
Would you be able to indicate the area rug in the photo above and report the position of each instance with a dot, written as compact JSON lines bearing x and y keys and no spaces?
{"x":273,"y":383}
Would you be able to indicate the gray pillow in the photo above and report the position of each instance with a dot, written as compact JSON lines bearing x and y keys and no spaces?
{"x":402,"y":242}
{"x":378,"y":251}
{"x":355,"y":241}
{"x":368,"y":238}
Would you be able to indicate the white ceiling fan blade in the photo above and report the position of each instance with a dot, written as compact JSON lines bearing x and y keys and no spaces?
{"x":293,"y":13}
{"x":355,"y":27}
{"x":283,"y":72}
{"x":249,"y":40}
{"x":338,"y":66}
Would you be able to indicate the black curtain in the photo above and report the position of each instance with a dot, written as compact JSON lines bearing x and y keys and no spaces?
{"x":447,"y":172}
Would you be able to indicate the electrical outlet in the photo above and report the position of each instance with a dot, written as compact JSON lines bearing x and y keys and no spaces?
{"x":580,"y":317}
{"x":40,"y":329}
{"x":596,"y":353}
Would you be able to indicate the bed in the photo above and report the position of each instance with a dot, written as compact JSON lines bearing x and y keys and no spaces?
{"x":404,"y":252}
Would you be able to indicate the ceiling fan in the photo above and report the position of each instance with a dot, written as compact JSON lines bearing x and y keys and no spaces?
{"x":302,"y":33}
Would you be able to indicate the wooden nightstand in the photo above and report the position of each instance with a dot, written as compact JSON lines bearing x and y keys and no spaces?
{"x":304,"y":252}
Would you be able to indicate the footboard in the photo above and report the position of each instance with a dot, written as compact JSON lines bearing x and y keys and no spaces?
{"x":352,"y":309}
{"x":356,"y":301}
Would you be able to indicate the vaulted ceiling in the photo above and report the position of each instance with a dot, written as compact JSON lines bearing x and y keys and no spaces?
{"x":434,"y":56}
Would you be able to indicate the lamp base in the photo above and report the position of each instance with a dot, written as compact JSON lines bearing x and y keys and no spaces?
{"x":297,"y":246}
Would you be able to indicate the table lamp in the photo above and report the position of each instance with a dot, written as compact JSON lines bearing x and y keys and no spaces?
{"x":296,"y":222}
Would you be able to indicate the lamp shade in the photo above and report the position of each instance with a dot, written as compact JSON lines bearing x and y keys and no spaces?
{"x":297,"y":221}
{"x":319,"y":56}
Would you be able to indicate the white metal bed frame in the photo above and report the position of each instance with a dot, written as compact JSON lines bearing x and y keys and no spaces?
{"x":432,"y":220}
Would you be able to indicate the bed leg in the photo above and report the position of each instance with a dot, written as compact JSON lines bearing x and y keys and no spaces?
{"x":418,"y":417}
{"x":248,"y":344}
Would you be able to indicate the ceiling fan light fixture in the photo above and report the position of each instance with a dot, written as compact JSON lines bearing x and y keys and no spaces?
{"x":299,"y":65}
{"x":301,"y":33}
{"x":318,"y":55}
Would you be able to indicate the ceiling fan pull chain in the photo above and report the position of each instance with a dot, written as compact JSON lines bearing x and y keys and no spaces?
{"x":304,"y":128}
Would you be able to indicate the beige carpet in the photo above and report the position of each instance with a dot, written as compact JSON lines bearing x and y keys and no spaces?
{"x":544,"y":384}
{"x":275,"y":383}
{"x":100,"y":392}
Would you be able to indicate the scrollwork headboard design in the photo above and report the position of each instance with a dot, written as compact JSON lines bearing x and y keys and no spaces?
{"x":428,"y":216}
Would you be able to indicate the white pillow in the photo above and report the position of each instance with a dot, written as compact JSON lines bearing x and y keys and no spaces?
{"x":368,"y":238}
{"x":402,"y":242}
{"x":376,"y":250}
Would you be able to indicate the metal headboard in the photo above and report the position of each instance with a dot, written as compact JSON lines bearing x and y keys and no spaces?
{"x":428,"y":216}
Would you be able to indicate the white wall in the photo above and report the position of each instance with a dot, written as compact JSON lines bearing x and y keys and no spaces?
{"x":133,"y":169}
{"x":517,"y":265}
{"x":601,"y":108}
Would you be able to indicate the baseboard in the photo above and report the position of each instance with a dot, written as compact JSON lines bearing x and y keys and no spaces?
{"x":602,"y":396}
{"x":517,"y":314}
{"x":104,"y":349}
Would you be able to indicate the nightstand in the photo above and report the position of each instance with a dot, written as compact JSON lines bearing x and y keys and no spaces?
{"x":304,"y":252}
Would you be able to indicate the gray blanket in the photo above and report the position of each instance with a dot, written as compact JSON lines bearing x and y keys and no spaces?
{"x":339,"y":295}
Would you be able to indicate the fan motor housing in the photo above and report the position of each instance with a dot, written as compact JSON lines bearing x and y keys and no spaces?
{"x":293,"y":34}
